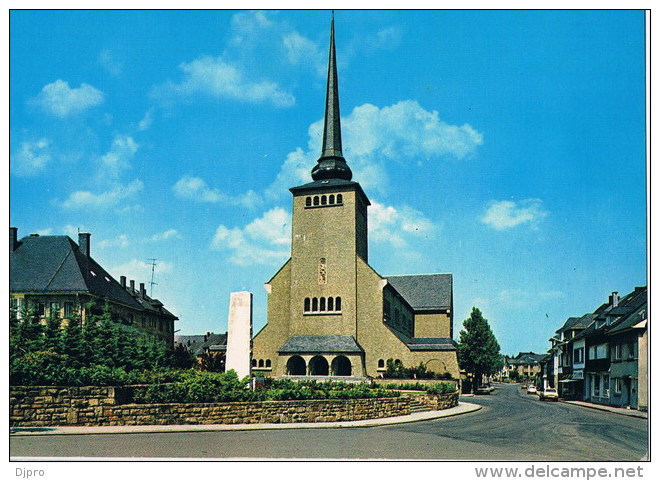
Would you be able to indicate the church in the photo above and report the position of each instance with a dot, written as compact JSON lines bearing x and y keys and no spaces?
{"x":330,"y":313}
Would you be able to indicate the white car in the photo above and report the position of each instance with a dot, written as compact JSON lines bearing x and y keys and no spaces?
{"x":549,"y":394}
{"x":531,"y":389}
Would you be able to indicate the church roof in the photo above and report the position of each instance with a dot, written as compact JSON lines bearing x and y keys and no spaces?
{"x":319,"y":344}
{"x":424,"y":291}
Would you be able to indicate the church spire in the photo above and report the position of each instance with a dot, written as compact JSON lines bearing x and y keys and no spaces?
{"x":331,"y":164}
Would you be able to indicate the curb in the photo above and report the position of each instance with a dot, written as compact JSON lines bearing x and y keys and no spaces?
{"x":462,"y":408}
{"x":599,"y":407}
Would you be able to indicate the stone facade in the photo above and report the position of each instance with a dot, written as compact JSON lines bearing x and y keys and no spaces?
{"x":329,"y":312}
{"x":102,"y":406}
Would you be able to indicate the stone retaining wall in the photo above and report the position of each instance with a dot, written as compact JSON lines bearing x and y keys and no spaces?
{"x":101,"y":406}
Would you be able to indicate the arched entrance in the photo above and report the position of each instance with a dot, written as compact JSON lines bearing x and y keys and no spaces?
{"x":295,"y":366}
{"x":318,"y":366}
{"x":341,"y":366}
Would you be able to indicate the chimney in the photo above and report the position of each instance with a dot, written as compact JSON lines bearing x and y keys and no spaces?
{"x":132,"y":285}
{"x":83,"y":243}
{"x":122,"y":281}
{"x":614,"y":299}
{"x":13,"y":239}
{"x":143,"y":291}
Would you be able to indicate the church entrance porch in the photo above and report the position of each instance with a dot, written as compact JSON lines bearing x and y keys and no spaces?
{"x":324,"y":365}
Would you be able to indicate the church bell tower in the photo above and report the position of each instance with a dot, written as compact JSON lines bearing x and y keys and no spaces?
{"x":329,"y":232}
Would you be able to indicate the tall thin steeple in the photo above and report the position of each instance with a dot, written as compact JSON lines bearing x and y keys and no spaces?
{"x":331,"y":164}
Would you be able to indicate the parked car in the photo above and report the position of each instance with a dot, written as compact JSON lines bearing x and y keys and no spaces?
{"x":531,"y":389}
{"x":549,"y":393}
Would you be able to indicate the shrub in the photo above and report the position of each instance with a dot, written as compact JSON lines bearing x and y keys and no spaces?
{"x":441,"y":388}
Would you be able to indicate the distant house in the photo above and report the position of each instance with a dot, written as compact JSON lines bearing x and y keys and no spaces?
{"x":54,"y":275}
{"x":209,"y":344}
{"x":602,"y":357}
{"x":525,"y":364}
{"x":570,"y":356}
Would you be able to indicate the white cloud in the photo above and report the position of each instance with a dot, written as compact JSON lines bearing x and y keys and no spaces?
{"x":301,"y":50}
{"x":118,"y":158}
{"x":217,"y":78}
{"x":373,"y":137}
{"x":31,"y":158}
{"x":196,"y":188}
{"x":85,"y":199}
{"x":506,"y":214}
{"x":265,"y":241}
{"x":147,"y":120}
{"x":60,"y":100}
{"x":120,"y":241}
{"x":168,"y":234}
{"x":140,"y":271}
{"x":519,"y":298}
{"x":107,"y":60}
{"x":397,"y":226}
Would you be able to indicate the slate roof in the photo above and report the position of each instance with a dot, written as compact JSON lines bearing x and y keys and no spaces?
{"x":319,"y":344}
{"x":56,"y":264}
{"x":577,"y":322}
{"x":425,"y":343}
{"x":198,"y":344}
{"x":424,"y":291}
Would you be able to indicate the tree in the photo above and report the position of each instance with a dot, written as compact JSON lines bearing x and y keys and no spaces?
{"x":478,"y":350}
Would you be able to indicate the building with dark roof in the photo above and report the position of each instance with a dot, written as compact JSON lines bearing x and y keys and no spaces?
{"x":602,"y":357}
{"x":329,"y":311}
{"x":53,"y":274}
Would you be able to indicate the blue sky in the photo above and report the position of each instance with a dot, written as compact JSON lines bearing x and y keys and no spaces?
{"x":505,"y":147}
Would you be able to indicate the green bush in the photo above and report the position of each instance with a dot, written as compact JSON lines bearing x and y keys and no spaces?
{"x":441,"y":388}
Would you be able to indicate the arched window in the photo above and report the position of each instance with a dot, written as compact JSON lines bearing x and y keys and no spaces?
{"x":331,"y":199}
{"x":381,"y":363}
{"x":341,"y":366}
{"x":340,"y":199}
{"x":324,"y":200}
{"x":296,"y":366}
{"x":254,"y":363}
{"x":331,"y":303}
{"x":316,"y":200}
{"x":322,"y":304}
{"x":318,"y":366}
{"x":308,"y":201}
{"x":338,"y":303}
{"x":307,"y":304}
{"x":261,"y":363}
{"x":268,"y":363}
{"x":315,"y":304}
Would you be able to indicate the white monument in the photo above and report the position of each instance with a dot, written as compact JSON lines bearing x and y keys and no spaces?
{"x":239,"y":334}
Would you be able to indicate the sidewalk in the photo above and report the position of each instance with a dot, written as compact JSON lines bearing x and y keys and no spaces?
{"x":600,"y":407}
{"x":462,"y":408}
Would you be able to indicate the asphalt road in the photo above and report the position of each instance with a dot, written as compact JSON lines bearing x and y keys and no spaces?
{"x":511,"y":426}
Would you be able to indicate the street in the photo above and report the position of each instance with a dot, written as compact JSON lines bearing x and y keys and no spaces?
{"x":511,"y":426}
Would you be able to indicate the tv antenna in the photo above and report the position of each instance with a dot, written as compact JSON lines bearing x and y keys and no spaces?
{"x":152,"y":283}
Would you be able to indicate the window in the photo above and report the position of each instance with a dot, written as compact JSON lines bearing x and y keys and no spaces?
{"x":267,"y":362}
{"x":69,"y":309}
{"x":386,"y":310}
{"x":308,"y":201}
{"x":578,"y":355}
{"x":315,"y":304}
{"x":307,"y":304}
{"x":331,"y":304}
{"x":606,"y":385}
{"x":381,"y":363}
{"x":316,"y":200}
{"x":338,"y":303}
{"x":261,"y":363}
{"x":340,"y":199}
{"x":617,"y":385}
{"x":617,"y":351}
{"x":322,"y":304}
{"x":596,"y":385}
{"x":41,"y":309}
{"x":324,"y":200}
{"x":331,"y":199}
